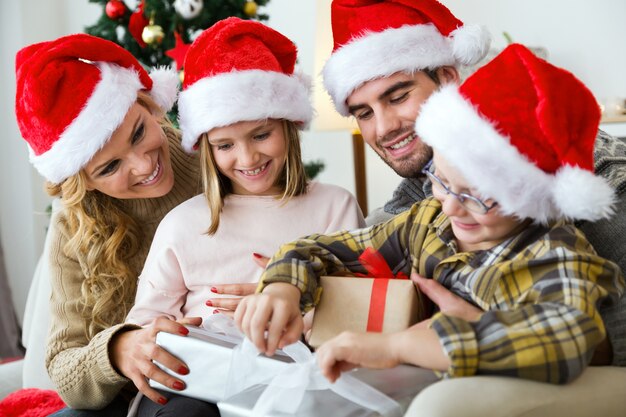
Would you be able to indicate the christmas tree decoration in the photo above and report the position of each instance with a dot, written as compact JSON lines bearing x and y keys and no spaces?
{"x":152,"y":34}
{"x":179,"y":51}
{"x":188,"y":9}
{"x":186,"y":18}
{"x":136,"y":24}
{"x":115,"y":9}
{"x":250,"y":8}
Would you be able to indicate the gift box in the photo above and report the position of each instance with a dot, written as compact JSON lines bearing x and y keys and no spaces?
{"x":401,"y":384}
{"x":208,"y":356}
{"x":380,"y":302}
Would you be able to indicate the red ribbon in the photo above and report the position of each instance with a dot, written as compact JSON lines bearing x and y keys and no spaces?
{"x":377,"y":268}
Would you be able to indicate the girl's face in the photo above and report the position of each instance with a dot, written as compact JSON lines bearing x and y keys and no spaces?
{"x":251,"y":154}
{"x":473,"y":231}
{"x":135,"y":162}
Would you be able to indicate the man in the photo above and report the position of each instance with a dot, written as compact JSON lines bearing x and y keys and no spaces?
{"x":389,"y":56}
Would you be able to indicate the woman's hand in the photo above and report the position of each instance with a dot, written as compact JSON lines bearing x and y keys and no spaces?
{"x":448,"y":302}
{"x":132,"y":352}
{"x":275,"y":310}
{"x":229,"y":305}
{"x":352,"y":350}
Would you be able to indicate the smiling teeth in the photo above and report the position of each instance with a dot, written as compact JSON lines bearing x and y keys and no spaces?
{"x":256,"y":171}
{"x":152,"y":176}
{"x":404,"y":142}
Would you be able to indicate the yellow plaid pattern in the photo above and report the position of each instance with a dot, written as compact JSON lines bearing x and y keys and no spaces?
{"x":540,"y":290}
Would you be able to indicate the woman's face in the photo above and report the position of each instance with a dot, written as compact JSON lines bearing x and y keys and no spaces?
{"x":135,"y":162}
{"x":250,"y":154}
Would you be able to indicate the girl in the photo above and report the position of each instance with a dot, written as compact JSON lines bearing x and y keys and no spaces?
{"x":523,"y":285}
{"x":242,"y":107}
{"x":95,"y":124}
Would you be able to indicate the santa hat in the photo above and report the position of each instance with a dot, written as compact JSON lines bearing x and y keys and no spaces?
{"x":240,"y":70}
{"x":522,"y":132}
{"x":73,"y":92}
{"x":377,"y":38}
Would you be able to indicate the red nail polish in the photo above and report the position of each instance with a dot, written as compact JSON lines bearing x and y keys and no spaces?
{"x":177,"y":385}
{"x":213,"y":289}
{"x":209,"y":303}
{"x":183,"y":370}
{"x":184,"y":331}
{"x":216,"y":311}
{"x":162,"y":401}
{"x":256,"y":255}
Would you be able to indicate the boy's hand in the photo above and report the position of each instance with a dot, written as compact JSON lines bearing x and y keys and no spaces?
{"x":351,"y":350}
{"x":448,"y":302}
{"x":277,"y":310}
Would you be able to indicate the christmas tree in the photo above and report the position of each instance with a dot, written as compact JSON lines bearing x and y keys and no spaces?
{"x":158,"y":32}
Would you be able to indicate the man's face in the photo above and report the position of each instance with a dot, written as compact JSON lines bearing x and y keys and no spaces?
{"x":385,"y":110}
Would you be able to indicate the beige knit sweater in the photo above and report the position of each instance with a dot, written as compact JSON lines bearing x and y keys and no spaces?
{"x":80,"y":367}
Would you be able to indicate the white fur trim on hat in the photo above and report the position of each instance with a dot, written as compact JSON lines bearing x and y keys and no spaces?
{"x":497,"y":169}
{"x":407,"y":48}
{"x":232,"y":97}
{"x":91,"y":129}
{"x":164,"y":87}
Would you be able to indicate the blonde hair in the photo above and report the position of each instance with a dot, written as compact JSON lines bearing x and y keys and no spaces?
{"x":108,"y":240}
{"x":217,"y":186}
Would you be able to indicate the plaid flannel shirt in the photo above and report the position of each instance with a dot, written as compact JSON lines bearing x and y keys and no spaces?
{"x":539,"y":290}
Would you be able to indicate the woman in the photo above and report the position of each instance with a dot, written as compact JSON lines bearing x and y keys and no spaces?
{"x":95,"y":124}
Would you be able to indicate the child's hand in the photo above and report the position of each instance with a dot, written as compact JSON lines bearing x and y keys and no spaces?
{"x":229,"y":305}
{"x":277,"y":310}
{"x":352,"y":350}
{"x":448,"y":302}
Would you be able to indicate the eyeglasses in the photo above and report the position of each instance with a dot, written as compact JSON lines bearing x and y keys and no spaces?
{"x":468,"y":201}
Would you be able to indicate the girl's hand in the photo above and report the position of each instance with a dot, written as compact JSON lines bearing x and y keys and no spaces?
{"x":275,"y":310}
{"x":132,"y":352}
{"x":229,"y":305}
{"x":352,"y":350}
{"x":448,"y":302}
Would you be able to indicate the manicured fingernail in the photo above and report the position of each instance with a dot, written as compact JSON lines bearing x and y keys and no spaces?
{"x":183,"y":370}
{"x":178,"y":385}
{"x":256,"y":255}
{"x":216,"y":311}
{"x":162,"y":401}
{"x":213,"y":289}
{"x":209,"y":303}
{"x":184,"y":331}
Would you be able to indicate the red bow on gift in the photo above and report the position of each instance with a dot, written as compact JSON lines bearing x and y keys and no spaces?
{"x":378,"y":269}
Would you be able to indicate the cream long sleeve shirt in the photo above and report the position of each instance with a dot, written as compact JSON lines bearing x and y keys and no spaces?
{"x":184,"y":262}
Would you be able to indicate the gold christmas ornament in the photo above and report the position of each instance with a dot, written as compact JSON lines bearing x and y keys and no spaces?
{"x":181,"y":76}
{"x":152,"y":34}
{"x":250,"y":8}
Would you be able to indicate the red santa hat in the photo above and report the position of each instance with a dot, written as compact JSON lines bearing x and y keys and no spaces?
{"x":522,"y":132}
{"x":240,"y":70}
{"x":377,"y":38}
{"x":73,"y":92}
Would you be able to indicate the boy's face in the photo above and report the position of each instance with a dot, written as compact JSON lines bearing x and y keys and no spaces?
{"x":473,"y":231}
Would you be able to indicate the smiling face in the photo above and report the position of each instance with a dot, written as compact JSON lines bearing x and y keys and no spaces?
{"x":251,"y":155}
{"x":473,"y":231}
{"x":135,"y":162}
{"x":385,"y":110}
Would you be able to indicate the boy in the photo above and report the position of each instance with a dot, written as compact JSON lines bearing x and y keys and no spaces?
{"x":505,"y":176}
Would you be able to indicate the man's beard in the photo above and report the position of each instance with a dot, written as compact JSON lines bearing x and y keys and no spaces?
{"x":410,"y":166}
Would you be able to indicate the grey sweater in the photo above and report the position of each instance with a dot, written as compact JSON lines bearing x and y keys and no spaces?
{"x":607,"y":236}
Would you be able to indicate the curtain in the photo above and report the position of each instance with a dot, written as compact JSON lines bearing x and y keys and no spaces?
{"x":10,"y":332}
